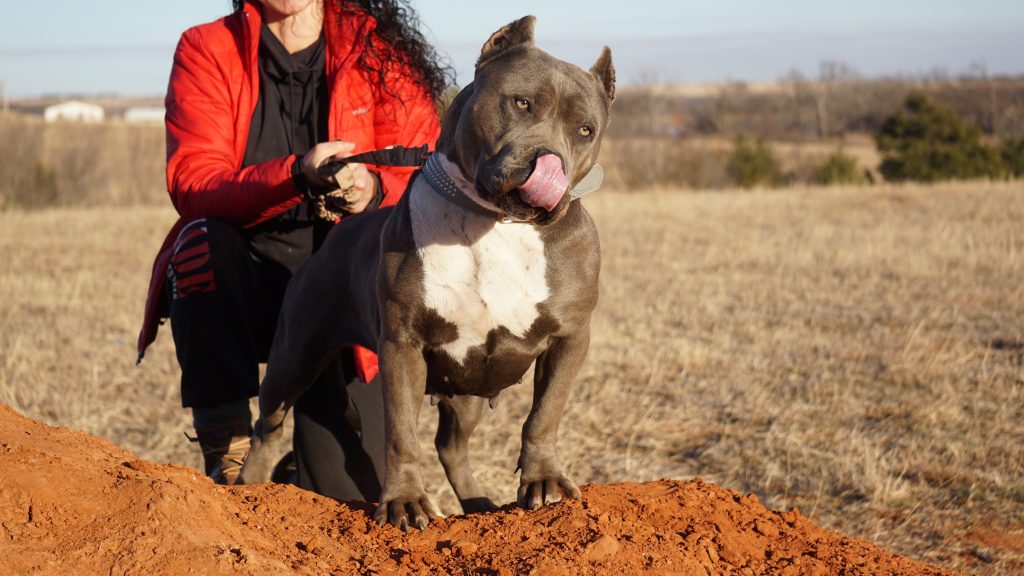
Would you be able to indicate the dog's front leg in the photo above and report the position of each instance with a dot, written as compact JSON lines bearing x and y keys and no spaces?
{"x":403,"y":376}
{"x":543,"y":480}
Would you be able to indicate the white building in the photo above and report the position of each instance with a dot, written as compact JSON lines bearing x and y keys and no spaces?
{"x":75,"y":111}
{"x":144,"y":114}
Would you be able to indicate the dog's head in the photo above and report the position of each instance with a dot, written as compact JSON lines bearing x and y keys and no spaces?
{"x":529,"y":126}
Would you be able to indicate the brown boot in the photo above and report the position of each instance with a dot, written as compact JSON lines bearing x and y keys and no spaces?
{"x":224,"y":447}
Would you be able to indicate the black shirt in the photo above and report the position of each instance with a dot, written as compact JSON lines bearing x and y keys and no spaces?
{"x":290,"y":118}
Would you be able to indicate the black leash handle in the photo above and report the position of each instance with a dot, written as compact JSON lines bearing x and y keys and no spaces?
{"x":390,"y":156}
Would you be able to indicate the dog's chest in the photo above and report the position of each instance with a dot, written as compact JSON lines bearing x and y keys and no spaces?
{"x":478,"y":275}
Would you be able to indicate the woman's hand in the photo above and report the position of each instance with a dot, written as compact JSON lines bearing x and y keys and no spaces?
{"x":356,"y":183}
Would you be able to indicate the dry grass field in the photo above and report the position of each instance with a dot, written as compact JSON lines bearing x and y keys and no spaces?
{"x":858,"y":353}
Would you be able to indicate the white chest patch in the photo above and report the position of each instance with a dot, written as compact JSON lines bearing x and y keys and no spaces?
{"x":478,"y":274}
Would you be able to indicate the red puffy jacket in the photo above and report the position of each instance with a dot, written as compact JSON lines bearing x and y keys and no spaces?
{"x":213,"y":91}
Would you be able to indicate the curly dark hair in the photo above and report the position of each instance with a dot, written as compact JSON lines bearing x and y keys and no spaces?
{"x":401,"y":43}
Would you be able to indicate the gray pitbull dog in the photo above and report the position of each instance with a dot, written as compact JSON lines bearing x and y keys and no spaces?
{"x":485,"y":267}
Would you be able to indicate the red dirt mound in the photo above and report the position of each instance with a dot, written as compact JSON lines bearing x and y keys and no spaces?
{"x":70,"y":502}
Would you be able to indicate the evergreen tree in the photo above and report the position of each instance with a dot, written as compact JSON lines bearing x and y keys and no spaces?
{"x":753,"y":164}
{"x":840,"y":168}
{"x":927,"y":142}
{"x":1013,"y":157}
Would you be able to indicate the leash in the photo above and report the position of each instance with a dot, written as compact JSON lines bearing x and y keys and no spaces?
{"x":390,"y":156}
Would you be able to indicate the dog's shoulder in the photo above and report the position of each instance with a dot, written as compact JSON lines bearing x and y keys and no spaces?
{"x":574,"y":236}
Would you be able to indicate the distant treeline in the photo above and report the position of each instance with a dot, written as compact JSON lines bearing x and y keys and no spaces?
{"x":829,"y":130}
{"x":836,"y":103}
{"x":817,"y":131}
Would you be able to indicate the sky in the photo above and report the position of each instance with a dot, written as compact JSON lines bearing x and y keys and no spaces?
{"x":125,"y":47}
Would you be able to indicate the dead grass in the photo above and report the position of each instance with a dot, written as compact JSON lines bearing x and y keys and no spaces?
{"x":75,"y":164}
{"x":858,"y":353}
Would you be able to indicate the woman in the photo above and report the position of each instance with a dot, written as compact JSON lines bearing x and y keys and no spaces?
{"x":257,"y":101}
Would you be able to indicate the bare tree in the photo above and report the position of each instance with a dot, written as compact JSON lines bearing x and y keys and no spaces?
{"x":802,"y":97}
{"x":978,"y":72}
{"x":833,"y":76}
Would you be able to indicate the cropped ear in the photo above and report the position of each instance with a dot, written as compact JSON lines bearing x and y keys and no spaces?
{"x":517,"y":33}
{"x":605,"y":72}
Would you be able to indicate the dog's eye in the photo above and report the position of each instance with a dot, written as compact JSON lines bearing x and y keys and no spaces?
{"x":585,"y":131}
{"x":522,"y":103}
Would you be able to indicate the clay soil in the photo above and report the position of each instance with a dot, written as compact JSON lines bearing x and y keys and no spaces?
{"x":73,"y":503}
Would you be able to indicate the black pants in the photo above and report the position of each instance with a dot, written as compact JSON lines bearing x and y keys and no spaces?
{"x":226,"y":291}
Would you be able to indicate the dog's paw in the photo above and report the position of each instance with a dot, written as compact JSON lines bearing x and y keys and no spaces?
{"x":402,"y":512}
{"x":541,"y":492}
{"x":259,"y":464}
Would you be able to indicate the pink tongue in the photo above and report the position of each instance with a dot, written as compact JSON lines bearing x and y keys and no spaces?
{"x":546,"y":186}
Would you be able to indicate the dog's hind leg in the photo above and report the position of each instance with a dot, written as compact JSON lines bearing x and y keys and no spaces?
{"x":290,"y":372}
{"x":266,"y":447}
{"x":304,"y":344}
{"x":268,"y":443}
{"x":458,"y":417}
